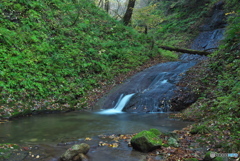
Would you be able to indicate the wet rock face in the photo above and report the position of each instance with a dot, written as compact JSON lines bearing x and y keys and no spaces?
{"x":153,"y":88}
{"x":216,"y":20}
{"x":212,"y":30}
{"x":208,"y":40}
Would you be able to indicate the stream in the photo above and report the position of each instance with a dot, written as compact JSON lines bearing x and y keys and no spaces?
{"x":141,"y":103}
{"x":56,"y":128}
{"x":50,"y":135}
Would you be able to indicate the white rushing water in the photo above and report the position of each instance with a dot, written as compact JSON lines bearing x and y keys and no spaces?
{"x":122,"y":101}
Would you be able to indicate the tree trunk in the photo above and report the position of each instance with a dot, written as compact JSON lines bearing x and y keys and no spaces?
{"x":107,"y":5}
{"x":189,"y":51}
{"x":128,"y":15}
{"x":100,"y":4}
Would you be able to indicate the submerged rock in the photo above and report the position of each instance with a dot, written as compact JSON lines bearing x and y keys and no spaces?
{"x":76,"y":153}
{"x":146,"y":141}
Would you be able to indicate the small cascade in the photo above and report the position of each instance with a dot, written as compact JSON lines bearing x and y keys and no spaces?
{"x":157,"y":89}
{"x":122,"y":101}
{"x":153,"y":88}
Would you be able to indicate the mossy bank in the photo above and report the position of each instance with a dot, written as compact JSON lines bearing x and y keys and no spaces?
{"x":53,"y":53}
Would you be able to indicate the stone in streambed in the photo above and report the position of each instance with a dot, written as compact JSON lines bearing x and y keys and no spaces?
{"x":173,"y":142}
{"x":146,"y":141}
{"x":76,"y":153}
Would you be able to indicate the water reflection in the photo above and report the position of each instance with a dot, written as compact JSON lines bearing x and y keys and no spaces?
{"x":54,"y":128}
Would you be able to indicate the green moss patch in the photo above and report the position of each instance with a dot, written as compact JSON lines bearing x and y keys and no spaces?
{"x":152,"y":135}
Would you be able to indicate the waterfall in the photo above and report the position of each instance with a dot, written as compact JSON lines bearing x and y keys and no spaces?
{"x":121,"y":104}
{"x":122,"y":101}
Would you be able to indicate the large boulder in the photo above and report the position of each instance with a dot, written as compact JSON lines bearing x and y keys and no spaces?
{"x":182,"y":99}
{"x":76,"y":153}
{"x":146,"y":141}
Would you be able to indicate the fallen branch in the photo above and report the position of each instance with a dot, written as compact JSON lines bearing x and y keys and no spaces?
{"x":189,"y":51}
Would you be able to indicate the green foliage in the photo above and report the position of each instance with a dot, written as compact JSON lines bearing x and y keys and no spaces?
{"x":200,"y":129}
{"x":54,"y":52}
{"x":168,"y":54}
{"x":178,"y":20}
{"x":146,"y":18}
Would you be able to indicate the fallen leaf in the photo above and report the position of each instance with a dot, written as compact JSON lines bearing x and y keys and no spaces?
{"x":88,"y":138}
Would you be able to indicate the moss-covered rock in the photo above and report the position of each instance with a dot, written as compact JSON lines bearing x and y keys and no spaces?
{"x":146,"y":141}
{"x":155,"y":131}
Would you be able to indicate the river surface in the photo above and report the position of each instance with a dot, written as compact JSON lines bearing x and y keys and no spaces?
{"x":55,"y":128}
{"x":50,"y":135}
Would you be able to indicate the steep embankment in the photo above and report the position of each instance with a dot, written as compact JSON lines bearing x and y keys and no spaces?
{"x":216,"y":80}
{"x":217,"y":83}
{"x":53,"y":53}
